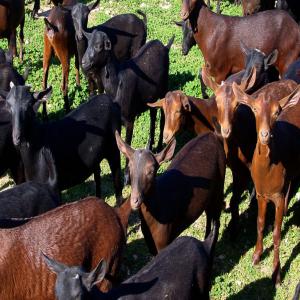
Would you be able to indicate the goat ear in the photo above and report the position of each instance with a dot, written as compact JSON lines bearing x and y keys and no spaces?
{"x":185,"y":102}
{"x":159,"y":103}
{"x":249,"y":82}
{"x":92,"y":6}
{"x":167,"y":153}
{"x":208,"y":80}
{"x":40,"y":97}
{"x":53,"y":265}
{"x":271,"y":58}
{"x":178,"y":23}
{"x":244,"y":48}
{"x":123,"y":147}
{"x":291,"y":99}
{"x":95,"y":276}
{"x":240,"y":95}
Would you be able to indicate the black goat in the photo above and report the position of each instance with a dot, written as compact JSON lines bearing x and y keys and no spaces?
{"x":188,"y":40}
{"x":180,"y":271}
{"x":78,"y":142}
{"x":131,"y":84}
{"x":126,"y":32}
{"x":32,"y":198}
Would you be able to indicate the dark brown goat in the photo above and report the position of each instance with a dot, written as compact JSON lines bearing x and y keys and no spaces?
{"x":251,"y":7}
{"x":36,"y":5}
{"x":59,"y":39}
{"x":275,"y":162}
{"x":237,"y":127}
{"x":192,"y":184}
{"x":11,"y":16}
{"x":80,"y":233}
{"x":218,"y":37}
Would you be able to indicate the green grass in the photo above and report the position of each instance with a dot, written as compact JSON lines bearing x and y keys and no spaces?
{"x":234,"y":277}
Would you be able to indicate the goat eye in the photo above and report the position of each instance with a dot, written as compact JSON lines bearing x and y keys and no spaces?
{"x":254,"y":109}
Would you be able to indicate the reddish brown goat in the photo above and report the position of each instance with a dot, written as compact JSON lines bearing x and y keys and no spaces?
{"x":192,"y":184}
{"x":186,"y":112}
{"x":218,"y":37}
{"x":237,"y":127}
{"x":79,"y":233}
{"x":275,"y":162}
{"x":11,"y":16}
{"x":59,"y":39}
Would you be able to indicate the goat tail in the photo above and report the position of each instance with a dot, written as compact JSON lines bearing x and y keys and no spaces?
{"x":143,"y":15}
{"x":171,"y":41}
{"x":211,"y":240}
{"x":49,"y":160}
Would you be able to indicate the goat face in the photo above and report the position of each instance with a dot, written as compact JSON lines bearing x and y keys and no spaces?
{"x":251,"y":7}
{"x":175,"y":105}
{"x":98,"y":50}
{"x":259,"y":60}
{"x":23,"y":105}
{"x":80,"y":13}
{"x":266,"y":111}
{"x":143,"y":166}
{"x":73,"y":283}
{"x":188,"y":40}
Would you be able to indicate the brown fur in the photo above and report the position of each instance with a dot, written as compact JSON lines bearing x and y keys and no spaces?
{"x":59,"y":39}
{"x":11,"y":16}
{"x":80,"y":233}
{"x":219,"y":36}
{"x":275,"y":161}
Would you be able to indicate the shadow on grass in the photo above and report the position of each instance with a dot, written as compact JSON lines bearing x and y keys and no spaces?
{"x":177,"y":80}
{"x":264,"y":286}
{"x":135,"y":257}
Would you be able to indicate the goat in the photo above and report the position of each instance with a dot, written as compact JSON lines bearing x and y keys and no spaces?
{"x":79,"y":233}
{"x":126,"y":32}
{"x":275,"y":161}
{"x":32,"y":198}
{"x":12,"y":15}
{"x":59,"y":39}
{"x":78,"y":142}
{"x":193,"y":183}
{"x":10,"y":158}
{"x":293,"y":72}
{"x":154,"y":281}
{"x":132,"y":84}
{"x":218,"y":37}
{"x":188,"y":40}
{"x":251,"y":7}
{"x":237,"y":127}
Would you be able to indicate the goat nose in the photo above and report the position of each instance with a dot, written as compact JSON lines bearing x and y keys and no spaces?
{"x":264,"y":133}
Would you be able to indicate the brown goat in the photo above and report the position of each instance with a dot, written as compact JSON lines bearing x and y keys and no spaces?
{"x":11,"y":16}
{"x":59,"y":39}
{"x":237,"y":127}
{"x":186,"y":112}
{"x":192,"y":184}
{"x":275,"y":160}
{"x":218,"y":37}
{"x":79,"y":233}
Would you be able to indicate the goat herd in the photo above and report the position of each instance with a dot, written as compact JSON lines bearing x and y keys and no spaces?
{"x":251,"y":124}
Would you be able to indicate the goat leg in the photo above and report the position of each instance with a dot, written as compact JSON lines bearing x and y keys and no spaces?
{"x":161,"y":130}
{"x":276,"y":239}
{"x":12,"y":44}
{"x":202,"y":85}
{"x":21,"y":38}
{"x":152,"y":128}
{"x":129,"y":132}
{"x":261,"y":217}
{"x":97,"y":179}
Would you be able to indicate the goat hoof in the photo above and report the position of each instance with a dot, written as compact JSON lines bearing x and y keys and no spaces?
{"x":256,"y":259}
